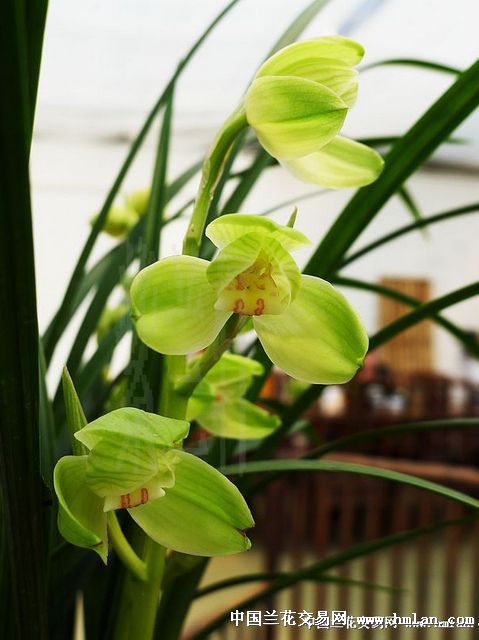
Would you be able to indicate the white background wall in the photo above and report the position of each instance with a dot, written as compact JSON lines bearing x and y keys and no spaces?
{"x":105,"y":63}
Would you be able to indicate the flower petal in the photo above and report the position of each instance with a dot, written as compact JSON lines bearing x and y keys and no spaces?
{"x":293,"y":116}
{"x":318,"y":339}
{"x":233,"y":374}
{"x":168,"y":299}
{"x":81,"y":519}
{"x":238,"y":419}
{"x":232,"y":226}
{"x":341,"y":163}
{"x":116,"y":468}
{"x":204,"y":514}
{"x":254,"y":275}
{"x":315,"y":51}
{"x":329,"y":61}
{"x":136,"y":426}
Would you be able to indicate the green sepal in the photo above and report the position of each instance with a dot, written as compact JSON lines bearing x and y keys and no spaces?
{"x":134,"y":428}
{"x":173,"y":306}
{"x":328,"y":61}
{"x":339,"y":164}
{"x":238,"y":419}
{"x":232,"y":226}
{"x":204,"y":514}
{"x":314,"y":52}
{"x":319,"y":338}
{"x":293,"y":117}
{"x":81,"y":519}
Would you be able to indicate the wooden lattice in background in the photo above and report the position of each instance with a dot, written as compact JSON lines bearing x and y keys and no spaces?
{"x":411,"y":350}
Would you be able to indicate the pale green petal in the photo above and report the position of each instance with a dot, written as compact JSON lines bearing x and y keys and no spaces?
{"x":293,"y":116}
{"x":204,"y":514}
{"x":254,"y":275}
{"x":136,"y":426}
{"x":328,"y":60}
{"x":119,"y":221}
{"x":232,"y":226}
{"x":233,"y":374}
{"x":173,"y":306}
{"x":315,"y":53}
{"x":230,"y":378}
{"x":81,"y":519}
{"x":341,"y":163}
{"x":235,"y":258}
{"x":318,"y":339}
{"x":148,"y":491}
{"x":115,"y":468}
{"x":238,"y":419}
{"x":138,"y":200}
{"x":202,"y":397}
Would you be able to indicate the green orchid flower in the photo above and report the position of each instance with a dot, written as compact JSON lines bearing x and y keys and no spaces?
{"x":217,"y":403}
{"x":307,"y":328}
{"x":123,"y":217}
{"x":133,"y":463}
{"x":297,"y":104}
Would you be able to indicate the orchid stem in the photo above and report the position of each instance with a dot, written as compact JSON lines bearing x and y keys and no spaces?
{"x":124,"y":551}
{"x":213,"y":167}
{"x":210,"y":357}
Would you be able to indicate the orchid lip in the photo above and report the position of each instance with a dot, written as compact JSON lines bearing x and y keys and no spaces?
{"x":252,"y":292}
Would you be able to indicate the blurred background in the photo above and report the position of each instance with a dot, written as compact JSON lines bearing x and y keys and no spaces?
{"x":104,"y":65}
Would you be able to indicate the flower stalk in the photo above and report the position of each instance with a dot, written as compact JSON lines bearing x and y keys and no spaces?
{"x":211,"y":356}
{"x":211,"y":173}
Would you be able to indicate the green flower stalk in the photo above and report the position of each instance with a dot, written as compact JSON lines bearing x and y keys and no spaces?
{"x":307,"y":328}
{"x":297,"y":105}
{"x":133,"y":463}
{"x":217,"y":403}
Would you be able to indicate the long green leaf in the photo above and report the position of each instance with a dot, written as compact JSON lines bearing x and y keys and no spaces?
{"x":372,"y":434}
{"x":409,"y":153}
{"x":424,"y":222}
{"x":463,"y":336}
{"x":270,"y":576}
{"x":393,"y":430}
{"x":46,"y":424}
{"x":75,"y":416}
{"x":413,"y":62}
{"x":271,"y":466}
{"x":101,"y":358}
{"x":64,"y":313}
{"x":145,"y":365}
{"x":356,"y":551}
{"x":409,"y":202}
{"x":21,"y":481}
